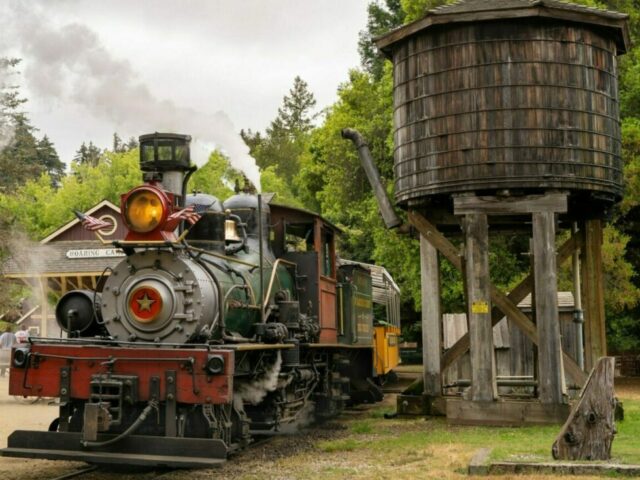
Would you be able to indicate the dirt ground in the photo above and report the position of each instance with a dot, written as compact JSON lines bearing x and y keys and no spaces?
{"x":289,"y":457}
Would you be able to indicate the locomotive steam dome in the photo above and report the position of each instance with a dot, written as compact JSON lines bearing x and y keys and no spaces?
{"x":509,"y":94}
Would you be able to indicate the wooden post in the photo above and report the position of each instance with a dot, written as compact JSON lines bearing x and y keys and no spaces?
{"x":589,"y":430}
{"x":550,"y":369}
{"x":431,"y":319}
{"x":595,"y":341}
{"x":504,"y":303}
{"x":476,"y":235}
{"x":44,"y":306}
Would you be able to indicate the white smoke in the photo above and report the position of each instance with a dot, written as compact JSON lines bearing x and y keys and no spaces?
{"x":68,"y":63}
{"x":255,"y":390}
{"x":30,"y":258}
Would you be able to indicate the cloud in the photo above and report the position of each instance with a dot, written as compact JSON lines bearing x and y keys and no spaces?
{"x":68,"y":63}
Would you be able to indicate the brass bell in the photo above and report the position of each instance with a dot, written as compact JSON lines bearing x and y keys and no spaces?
{"x":231,"y":232}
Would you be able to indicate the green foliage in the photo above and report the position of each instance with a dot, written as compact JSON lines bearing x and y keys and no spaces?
{"x":88,"y":155}
{"x":380,"y":19}
{"x":416,"y":9}
{"x":22,"y":155}
{"x":38,"y":207}
{"x":216,"y":177}
{"x":286,"y":139}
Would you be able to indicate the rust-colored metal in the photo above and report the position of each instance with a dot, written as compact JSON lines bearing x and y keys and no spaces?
{"x":193,"y":385}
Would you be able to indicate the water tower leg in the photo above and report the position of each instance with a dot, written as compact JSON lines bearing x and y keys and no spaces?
{"x":550,"y":368}
{"x":476,"y":239}
{"x":431,"y":319}
{"x":595,"y":341}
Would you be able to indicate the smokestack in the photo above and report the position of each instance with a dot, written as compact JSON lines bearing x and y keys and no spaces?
{"x":391,"y":219}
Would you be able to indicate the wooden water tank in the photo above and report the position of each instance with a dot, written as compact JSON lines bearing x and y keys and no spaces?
{"x":518,"y":95}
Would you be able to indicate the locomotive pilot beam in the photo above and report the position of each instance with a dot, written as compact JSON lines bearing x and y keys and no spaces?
{"x":203,"y":336}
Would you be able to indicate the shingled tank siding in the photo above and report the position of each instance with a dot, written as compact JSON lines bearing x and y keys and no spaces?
{"x":518,"y":104}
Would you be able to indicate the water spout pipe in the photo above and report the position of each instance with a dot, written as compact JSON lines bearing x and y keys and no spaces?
{"x":389,"y":215}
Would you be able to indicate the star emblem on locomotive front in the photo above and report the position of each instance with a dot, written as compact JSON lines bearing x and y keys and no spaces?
{"x":144,"y":303}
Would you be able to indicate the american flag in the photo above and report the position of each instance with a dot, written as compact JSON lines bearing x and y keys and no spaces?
{"x":91,"y":223}
{"x":189,"y":214}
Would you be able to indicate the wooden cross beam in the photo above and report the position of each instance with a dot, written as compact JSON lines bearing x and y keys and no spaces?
{"x":507,"y":305}
{"x":515,"y":296}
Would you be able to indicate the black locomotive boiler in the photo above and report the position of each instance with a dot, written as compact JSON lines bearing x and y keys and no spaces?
{"x":202,"y":338}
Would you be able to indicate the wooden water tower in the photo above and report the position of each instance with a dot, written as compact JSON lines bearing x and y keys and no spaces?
{"x":506,"y":119}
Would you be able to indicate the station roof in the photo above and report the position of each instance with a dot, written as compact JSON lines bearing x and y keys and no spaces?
{"x":487,"y":10}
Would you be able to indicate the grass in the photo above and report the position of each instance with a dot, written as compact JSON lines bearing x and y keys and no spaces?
{"x":411,"y":446}
{"x":365,"y":446}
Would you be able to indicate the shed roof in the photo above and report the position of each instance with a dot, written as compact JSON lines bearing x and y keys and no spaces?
{"x":565,"y":302}
{"x":60,"y":258}
{"x":487,"y":10}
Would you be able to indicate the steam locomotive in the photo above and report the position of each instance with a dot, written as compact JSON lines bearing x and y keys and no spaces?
{"x":203,"y":337}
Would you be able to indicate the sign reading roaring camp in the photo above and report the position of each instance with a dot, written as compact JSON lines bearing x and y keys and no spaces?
{"x":94,"y":253}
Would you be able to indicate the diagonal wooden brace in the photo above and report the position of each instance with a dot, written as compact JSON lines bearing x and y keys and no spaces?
{"x":503,"y":304}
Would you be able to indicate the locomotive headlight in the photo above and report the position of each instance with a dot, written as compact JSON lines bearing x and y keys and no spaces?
{"x":215,"y":364}
{"x":145,"y":210}
{"x":20,"y":357}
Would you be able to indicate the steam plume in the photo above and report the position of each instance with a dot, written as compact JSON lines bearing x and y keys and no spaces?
{"x":69,"y":63}
{"x":254,"y":391}
{"x":30,"y":257}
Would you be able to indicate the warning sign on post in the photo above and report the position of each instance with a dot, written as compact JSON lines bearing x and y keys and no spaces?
{"x":480,"y":306}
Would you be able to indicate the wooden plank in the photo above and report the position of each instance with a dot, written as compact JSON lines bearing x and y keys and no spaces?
{"x":517,"y":469}
{"x":516,"y":295}
{"x":45,"y":307}
{"x":588,"y":432}
{"x":551,"y":375}
{"x":499,"y":299}
{"x":431,"y":233}
{"x":509,"y":413}
{"x":595,"y":340}
{"x":491,"y":205}
{"x":431,"y":318}
{"x":476,"y":236}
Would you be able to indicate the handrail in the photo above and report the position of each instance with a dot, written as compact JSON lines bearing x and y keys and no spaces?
{"x":274,"y":270}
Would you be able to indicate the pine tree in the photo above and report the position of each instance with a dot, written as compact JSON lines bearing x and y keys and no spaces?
{"x":295,"y":116}
{"x":118,"y":146}
{"x":132,"y":144}
{"x":48,"y":157}
{"x":88,"y":155}
{"x":19,"y":160}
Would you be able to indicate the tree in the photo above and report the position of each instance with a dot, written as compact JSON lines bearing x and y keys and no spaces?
{"x":48,"y":157}
{"x":88,"y":155}
{"x":22,"y":155}
{"x":38,"y":207}
{"x":120,"y":146}
{"x":295,"y":116}
{"x":216,"y":177}
{"x":19,"y":159}
{"x":286,"y":139}
{"x":380,"y":19}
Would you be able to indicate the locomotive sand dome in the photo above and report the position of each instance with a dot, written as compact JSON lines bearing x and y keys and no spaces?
{"x":512,"y":94}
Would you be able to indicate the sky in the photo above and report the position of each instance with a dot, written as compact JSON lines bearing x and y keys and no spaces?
{"x":202,"y":67}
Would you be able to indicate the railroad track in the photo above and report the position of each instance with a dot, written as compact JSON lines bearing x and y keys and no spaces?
{"x":149,"y":474}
